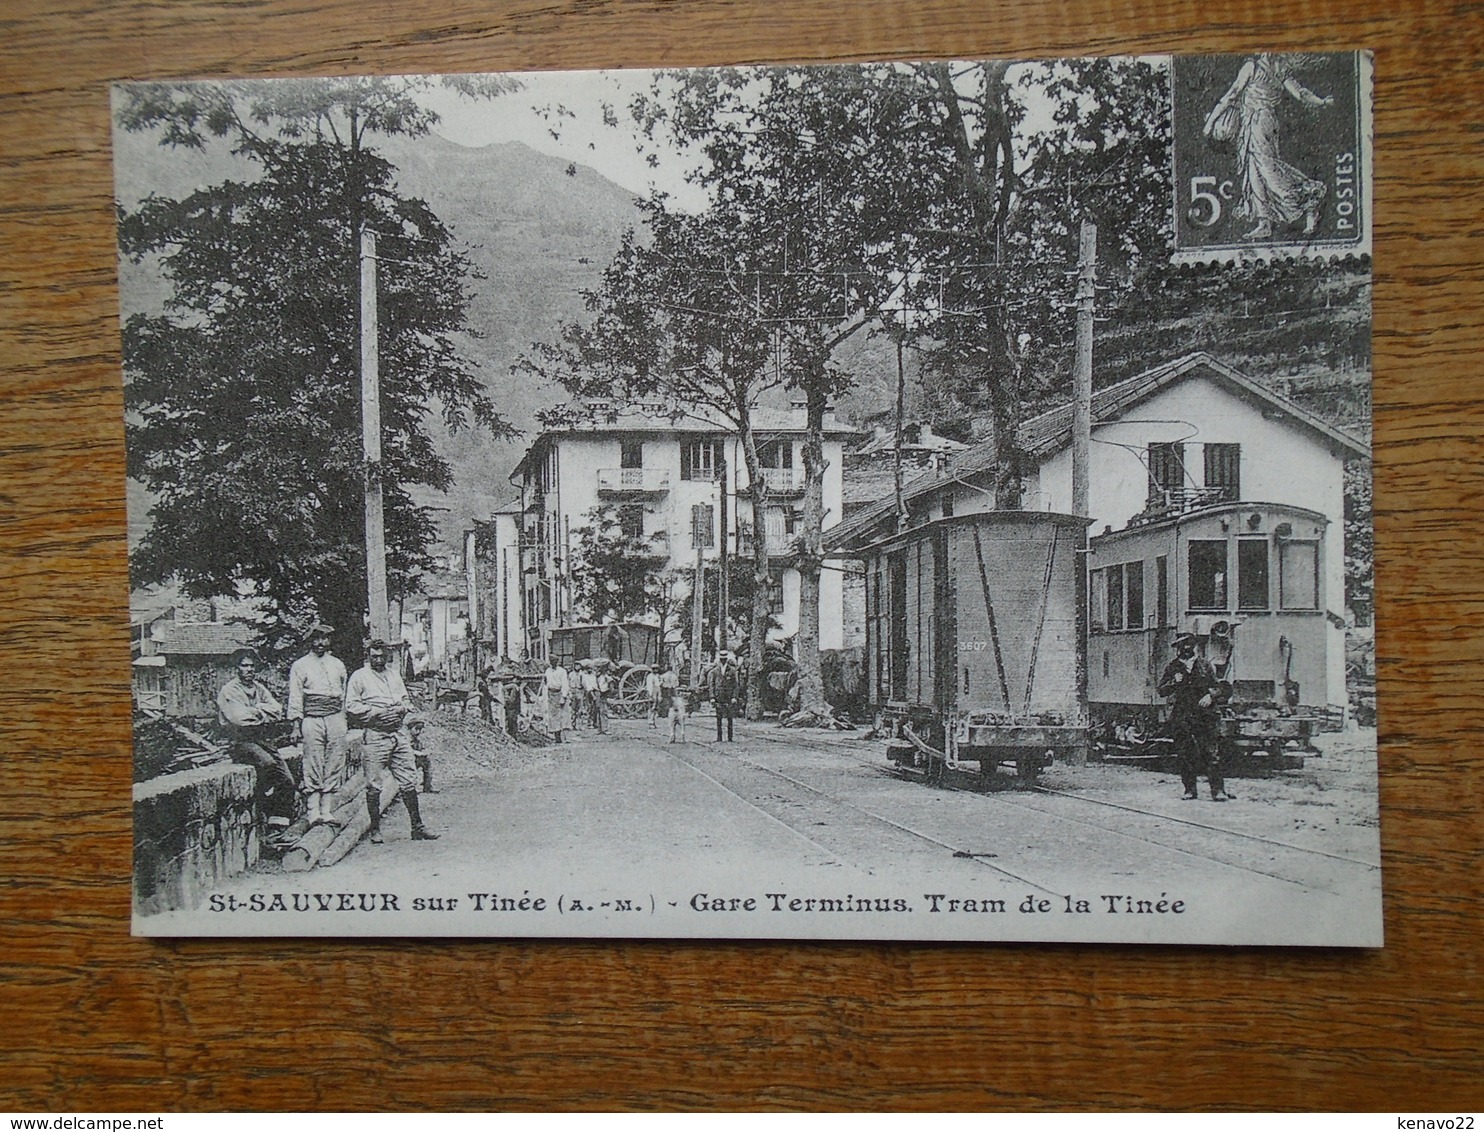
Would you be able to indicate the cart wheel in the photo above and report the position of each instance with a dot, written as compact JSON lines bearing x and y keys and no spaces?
{"x":630,"y":702}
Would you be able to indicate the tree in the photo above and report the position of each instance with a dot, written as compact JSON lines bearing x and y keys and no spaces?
{"x":1360,"y":542}
{"x":243,"y":391}
{"x":617,"y":571}
{"x":1023,"y":153}
{"x":666,"y":324}
{"x":810,"y":218}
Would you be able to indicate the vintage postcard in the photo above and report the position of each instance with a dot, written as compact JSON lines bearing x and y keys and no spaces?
{"x":900,"y":501}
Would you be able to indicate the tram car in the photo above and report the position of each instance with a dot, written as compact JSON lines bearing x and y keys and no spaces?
{"x":1251,"y":581}
{"x":975,"y":641}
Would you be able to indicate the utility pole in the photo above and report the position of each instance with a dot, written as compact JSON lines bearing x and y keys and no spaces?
{"x":902,"y":520}
{"x":1087,"y":254}
{"x":376,"y":599}
{"x":698,"y":606}
{"x":723,"y":582}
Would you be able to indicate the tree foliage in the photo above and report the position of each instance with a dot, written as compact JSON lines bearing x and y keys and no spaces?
{"x":616,"y":573}
{"x":243,"y":391}
{"x":664,"y":327}
{"x":1360,"y":542}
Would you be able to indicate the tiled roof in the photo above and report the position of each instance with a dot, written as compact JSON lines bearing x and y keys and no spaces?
{"x":1043,"y":435}
{"x":201,"y":638}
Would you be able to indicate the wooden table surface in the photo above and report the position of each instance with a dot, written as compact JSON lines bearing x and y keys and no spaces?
{"x":96,"y":1020}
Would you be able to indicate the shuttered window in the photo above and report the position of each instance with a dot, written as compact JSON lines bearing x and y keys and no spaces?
{"x":1224,"y":469}
{"x":1166,"y":470}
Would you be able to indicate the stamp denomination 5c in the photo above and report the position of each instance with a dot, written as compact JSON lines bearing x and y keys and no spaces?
{"x":1271,"y":152}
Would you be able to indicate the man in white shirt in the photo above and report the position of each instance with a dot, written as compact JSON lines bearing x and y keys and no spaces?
{"x":317,"y":712}
{"x":672,"y":699}
{"x":248,"y":711}
{"x":652,"y":694}
{"x":376,"y":699}
{"x":558,"y":689}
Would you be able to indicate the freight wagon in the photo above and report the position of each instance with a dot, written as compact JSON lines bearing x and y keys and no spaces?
{"x":975,"y":641}
{"x":1249,"y":580}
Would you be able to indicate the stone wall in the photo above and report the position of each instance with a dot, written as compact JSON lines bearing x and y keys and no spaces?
{"x":191,"y":830}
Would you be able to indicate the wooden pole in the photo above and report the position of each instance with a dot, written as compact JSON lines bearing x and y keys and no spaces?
{"x":1087,"y":254}
{"x":723,"y":581}
{"x":698,"y":609}
{"x":902,"y":520}
{"x":376,"y":598}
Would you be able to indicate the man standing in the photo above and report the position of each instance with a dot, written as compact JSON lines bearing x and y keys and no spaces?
{"x":510,"y":697}
{"x":317,"y":711}
{"x":672,"y":699}
{"x":725,"y":687}
{"x":248,"y":712}
{"x":1192,"y":684}
{"x":558,"y":688}
{"x":376,"y":699}
{"x":420,"y":753}
{"x":652,"y":694}
{"x":597,"y":693}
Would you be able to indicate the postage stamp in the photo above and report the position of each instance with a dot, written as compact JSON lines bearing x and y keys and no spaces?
{"x":1271,"y":155}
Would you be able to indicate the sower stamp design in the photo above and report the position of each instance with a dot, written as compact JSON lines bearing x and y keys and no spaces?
{"x":1271,"y":152}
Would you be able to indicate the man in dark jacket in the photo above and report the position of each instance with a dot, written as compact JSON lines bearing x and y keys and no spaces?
{"x":725,"y":685}
{"x":1195,"y":693}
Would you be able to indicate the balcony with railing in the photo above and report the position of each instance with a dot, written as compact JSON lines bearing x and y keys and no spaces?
{"x":633,"y":483}
{"x":782,"y":546}
{"x":1166,"y":502}
{"x":780,"y":483}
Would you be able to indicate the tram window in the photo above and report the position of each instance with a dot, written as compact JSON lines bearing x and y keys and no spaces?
{"x":1298,"y":574}
{"x":1133,"y":582}
{"x":1115,"y":597}
{"x":1252,"y":573}
{"x":1208,"y":573}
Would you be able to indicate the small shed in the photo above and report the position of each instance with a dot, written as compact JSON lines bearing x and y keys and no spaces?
{"x":191,"y":660}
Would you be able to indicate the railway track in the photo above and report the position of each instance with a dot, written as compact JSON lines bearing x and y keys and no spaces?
{"x":900,"y":828}
{"x":1211,"y":843}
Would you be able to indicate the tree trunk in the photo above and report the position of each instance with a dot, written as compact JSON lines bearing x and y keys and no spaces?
{"x":1004,"y":379}
{"x":810,"y":556}
{"x":757,"y":649}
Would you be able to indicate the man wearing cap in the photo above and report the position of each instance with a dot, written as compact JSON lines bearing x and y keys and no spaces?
{"x":376,"y":699}
{"x":248,"y":712}
{"x":725,"y":686}
{"x":1194,"y":690}
{"x":317,"y":711}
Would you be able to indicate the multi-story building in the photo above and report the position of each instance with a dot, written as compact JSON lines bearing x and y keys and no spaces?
{"x":1185,"y":435}
{"x":495,"y":585}
{"x":680,"y":483}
